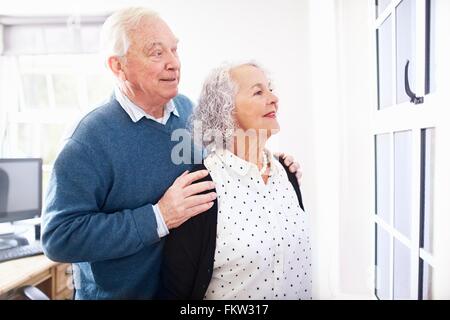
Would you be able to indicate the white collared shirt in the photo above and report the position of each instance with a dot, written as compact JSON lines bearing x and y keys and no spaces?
{"x":263,"y":244}
{"x":136,"y":114}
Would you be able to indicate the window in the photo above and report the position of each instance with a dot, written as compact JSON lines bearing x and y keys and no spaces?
{"x":405,"y":122}
{"x":52,"y":92}
{"x":50,"y":84}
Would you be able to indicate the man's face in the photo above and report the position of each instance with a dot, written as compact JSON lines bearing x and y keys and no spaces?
{"x":152,"y":66}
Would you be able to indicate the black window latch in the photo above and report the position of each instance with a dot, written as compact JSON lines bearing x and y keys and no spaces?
{"x":414,"y":99}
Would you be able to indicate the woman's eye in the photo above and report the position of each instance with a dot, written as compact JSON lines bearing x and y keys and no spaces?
{"x":258,"y":93}
{"x":157,"y":53}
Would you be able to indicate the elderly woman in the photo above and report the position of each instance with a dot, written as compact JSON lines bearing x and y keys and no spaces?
{"x":254,"y":242}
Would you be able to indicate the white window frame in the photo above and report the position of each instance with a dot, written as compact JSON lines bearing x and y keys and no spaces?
{"x":406,"y":116}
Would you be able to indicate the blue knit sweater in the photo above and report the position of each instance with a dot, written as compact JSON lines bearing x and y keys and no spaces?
{"x":99,"y":212}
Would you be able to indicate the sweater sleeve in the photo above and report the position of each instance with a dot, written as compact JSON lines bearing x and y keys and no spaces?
{"x":74,"y":227}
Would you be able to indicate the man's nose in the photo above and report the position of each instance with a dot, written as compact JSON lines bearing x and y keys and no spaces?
{"x":173,"y":62}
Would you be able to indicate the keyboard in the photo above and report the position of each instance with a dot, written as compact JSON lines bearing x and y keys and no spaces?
{"x":20,"y":252}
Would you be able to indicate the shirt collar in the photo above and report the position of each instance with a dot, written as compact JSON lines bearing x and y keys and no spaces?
{"x":136,"y":113}
{"x":242,"y":167}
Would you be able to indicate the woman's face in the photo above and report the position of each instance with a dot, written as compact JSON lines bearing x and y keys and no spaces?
{"x":255,"y":105}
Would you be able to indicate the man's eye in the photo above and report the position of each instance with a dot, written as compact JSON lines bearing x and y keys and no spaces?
{"x":258,"y":93}
{"x":157,"y":53}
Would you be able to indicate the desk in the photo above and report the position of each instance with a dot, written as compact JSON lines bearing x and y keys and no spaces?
{"x":52,"y":278}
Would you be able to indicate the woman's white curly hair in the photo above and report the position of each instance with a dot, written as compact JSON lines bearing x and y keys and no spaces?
{"x":212,"y":122}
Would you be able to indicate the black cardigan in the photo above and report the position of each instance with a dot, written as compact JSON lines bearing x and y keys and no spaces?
{"x":188,"y":257}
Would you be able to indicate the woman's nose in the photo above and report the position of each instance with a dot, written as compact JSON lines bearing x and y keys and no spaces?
{"x":274,"y":99}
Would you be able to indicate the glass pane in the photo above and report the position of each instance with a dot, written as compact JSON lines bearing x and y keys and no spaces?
{"x":66,"y":91}
{"x":406,"y":46}
{"x":427,"y":179}
{"x":402,"y":271}
{"x":384,"y":41}
{"x":100,"y":88}
{"x":402,"y":181}
{"x":51,"y":135}
{"x":381,"y":5}
{"x":383,"y":173}
{"x":24,"y":147}
{"x":46,"y":173}
{"x":382,"y":263}
{"x":430,"y":67}
{"x":425,"y":285}
{"x":35,"y":91}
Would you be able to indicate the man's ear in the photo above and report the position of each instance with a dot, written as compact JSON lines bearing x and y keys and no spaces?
{"x":116,"y":66}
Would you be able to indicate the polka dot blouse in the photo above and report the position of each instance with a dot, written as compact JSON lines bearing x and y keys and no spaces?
{"x":263,"y":245}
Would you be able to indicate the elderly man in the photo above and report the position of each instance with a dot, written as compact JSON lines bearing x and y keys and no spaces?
{"x":115,"y":192}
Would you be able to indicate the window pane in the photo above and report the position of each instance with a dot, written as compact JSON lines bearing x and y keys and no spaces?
{"x":52,"y":135}
{"x":427,"y":179}
{"x":24,"y":147}
{"x":406,"y":46}
{"x":100,"y":88}
{"x":430,"y":72}
{"x":46,"y":173}
{"x":384,"y":40}
{"x":402,"y":271}
{"x":382,"y":263}
{"x":381,"y":5}
{"x":39,"y":141}
{"x":425,"y":284}
{"x":383,"y":173}
{"x":65,"y":89}
{"x":35,"y":91}
{"x":402,"y":181}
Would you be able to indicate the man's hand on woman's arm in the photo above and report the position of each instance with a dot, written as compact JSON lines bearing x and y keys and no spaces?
{"x":183,"y":200}
{"x":293,"y":165}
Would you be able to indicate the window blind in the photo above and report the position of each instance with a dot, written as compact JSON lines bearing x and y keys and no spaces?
{"x":50,"y":35}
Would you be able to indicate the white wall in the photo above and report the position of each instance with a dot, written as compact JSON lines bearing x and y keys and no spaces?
{"x":322,"y":131}
{"x":357,"y":100}
{"x":334,"y":146}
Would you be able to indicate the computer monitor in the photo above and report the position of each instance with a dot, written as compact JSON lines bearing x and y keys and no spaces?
{"x":20,"y":189}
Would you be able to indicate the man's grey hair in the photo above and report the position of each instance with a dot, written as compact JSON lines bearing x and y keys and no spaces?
{"x":115,"y":33}
{"x":213,"y":122}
